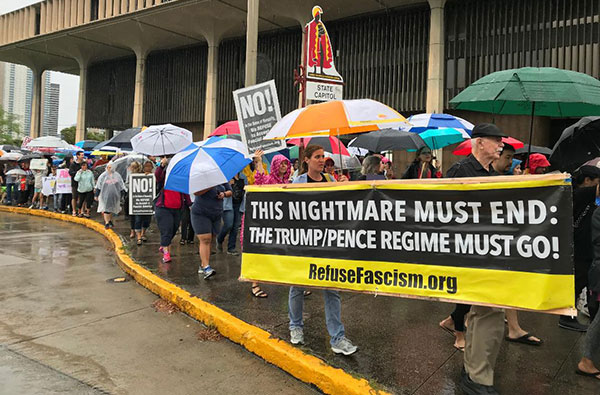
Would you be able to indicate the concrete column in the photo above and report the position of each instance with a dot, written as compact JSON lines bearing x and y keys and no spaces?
{"x":61,"y":14}
{"x":54,"y":15}
{"x":109,"y":8}
{"x":80,"y":128}
{"x":435,"y":71}
{"x":67,"y":13}
{"x":140,"y":4}
{"x":19,"y":25}
{"x":74,"y":8}
{"x":124,"y":7}
{"x":2,"y":29}
{"x":210,"y":106}
{"x":101,"y":9}
{"x":43,"y":18}
{"x":140,"y":83}
{"x":80,"y":12}
{"x":87,"y":11}
{"x":116,"y":7}
{"x":10,"y":24}
{"x":251,"y":41}
{"x":32,"y":22}
{"x":132,"y":4}
{"x":36,"y":108}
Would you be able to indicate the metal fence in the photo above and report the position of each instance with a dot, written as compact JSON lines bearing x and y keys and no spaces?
{"x":110,"y":92}
{"x":487,"y":36}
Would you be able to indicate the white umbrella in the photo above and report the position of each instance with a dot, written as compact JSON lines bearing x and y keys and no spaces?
{"x":357,"y":151}
{"x":16,"y":172}
{"x":48,"y":142}
{"x":161,"y":140}
{"x":11,"y":156}
{"x":349,"y":162}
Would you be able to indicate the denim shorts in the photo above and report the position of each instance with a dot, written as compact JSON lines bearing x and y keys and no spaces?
{"x":204,"y":223}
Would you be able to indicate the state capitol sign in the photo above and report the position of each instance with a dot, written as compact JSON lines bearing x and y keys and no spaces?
{"x":323,"y":92}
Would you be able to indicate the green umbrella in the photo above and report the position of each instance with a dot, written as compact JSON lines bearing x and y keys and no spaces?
{"x":543,"y":91}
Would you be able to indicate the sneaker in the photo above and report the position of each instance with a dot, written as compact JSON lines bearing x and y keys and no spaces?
{"x":344,"y":346}
{"x":32,"y":206}
{"x":220,"y":247}
{"x":166,"y":257}
{"x":571,"y":324}
{"x":107,"y":226}
{"x":207,"y":271}
{"x":111,"y":224}
{"x":233,"y":252}
{"x":296,"y":336}
{"x":470,"y":387}
{"x":161,"y":250}
{"x":582,"y":304}
{"x":190,"y":241}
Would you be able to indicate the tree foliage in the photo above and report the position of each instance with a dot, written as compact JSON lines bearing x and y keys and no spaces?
{"x":9,"y":128}
{"x":68,"y":134}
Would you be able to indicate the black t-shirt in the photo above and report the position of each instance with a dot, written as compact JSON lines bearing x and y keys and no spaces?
{"x":584,"y":205}
{"x":470,"y":167}
{"x":324,"y":179}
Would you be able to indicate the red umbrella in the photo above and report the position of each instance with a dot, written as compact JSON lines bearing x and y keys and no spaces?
{"x":329,"y":144}
{"x":464,"y":148}
{"x":231,"y":127}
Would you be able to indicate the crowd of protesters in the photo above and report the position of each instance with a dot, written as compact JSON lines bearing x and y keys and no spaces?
{"x":215,"y":217}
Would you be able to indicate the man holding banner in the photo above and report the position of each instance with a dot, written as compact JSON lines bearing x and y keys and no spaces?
{"x":486,"y":324}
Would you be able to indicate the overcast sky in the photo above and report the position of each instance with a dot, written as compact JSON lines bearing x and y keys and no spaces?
{"x":69,"y":84}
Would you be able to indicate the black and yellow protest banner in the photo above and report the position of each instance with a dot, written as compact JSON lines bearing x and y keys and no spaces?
{"x":501,"y":241}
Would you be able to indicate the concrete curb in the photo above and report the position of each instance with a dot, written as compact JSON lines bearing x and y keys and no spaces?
{"x":304,"y":367}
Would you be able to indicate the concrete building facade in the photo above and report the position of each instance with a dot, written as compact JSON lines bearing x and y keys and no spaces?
{"x":155,"y":61}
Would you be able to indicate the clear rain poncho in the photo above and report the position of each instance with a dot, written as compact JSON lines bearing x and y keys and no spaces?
{"x":110,"y":186}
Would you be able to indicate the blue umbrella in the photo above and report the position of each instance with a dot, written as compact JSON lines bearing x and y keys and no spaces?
{"x":423,"y":122}
{"x":206,"y":164}
{"x":440,"y":138}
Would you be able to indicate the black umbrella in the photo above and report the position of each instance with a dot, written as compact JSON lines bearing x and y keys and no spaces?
{"x":121,"y":140}
{"x":577,"y":144}
{"x":8,"y":148}
{"x":534,"y":150}
{"x":388,"y":139}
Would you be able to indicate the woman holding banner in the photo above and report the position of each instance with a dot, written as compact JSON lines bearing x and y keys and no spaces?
{"x":311,"y":170}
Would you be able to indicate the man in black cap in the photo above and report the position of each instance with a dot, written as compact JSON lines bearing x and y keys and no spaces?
{"x":486,"y":324}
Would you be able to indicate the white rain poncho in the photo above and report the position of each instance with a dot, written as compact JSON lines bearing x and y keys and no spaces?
{"x":110,"y":186}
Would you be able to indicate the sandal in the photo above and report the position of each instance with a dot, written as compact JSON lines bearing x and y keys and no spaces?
{"x":139,"y":242}
{"x":144,"y":239}
{"x":525,"y":339}
{"x":182,"y":242}
{"x":258,"y":293}
{"x":444,"y":327}
{"x":595,"y":374}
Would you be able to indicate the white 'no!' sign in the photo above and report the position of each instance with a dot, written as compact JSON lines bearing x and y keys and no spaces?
{"x":142,"y":190}
{"x":257,"y":109}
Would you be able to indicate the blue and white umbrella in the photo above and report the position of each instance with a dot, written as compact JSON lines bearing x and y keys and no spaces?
{"x":206,"y":164}
{"x":423,"y":122}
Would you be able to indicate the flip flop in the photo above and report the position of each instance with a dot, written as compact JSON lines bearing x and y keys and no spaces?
{"x":459,"y":348}
{"x":258,"y":293}
{"x":525,"y":339}
{"x":586,"y":374}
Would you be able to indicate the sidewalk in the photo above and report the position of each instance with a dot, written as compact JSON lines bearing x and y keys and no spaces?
{"x":65,"y":329}
{"x":401,"y":347}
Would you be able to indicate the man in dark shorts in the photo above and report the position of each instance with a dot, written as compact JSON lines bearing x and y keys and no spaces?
{"x":73,"y":169}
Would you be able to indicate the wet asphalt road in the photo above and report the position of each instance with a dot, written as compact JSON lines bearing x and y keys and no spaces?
{"x":65,"y":329}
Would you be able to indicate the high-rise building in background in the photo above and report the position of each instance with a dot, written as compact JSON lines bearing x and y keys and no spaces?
{"x":16,"y":95}
{"x":50,"y":109}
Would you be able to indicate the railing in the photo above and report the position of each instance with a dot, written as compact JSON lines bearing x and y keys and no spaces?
{"x":54,"y":15}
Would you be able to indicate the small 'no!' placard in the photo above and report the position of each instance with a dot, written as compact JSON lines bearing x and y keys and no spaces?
{"x":142,"y":190}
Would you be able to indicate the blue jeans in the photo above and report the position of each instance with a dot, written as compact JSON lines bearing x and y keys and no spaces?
{"x":231,"y":224}
{"x":141,"y":222}
{"x":333,"y":312}
{"x":11,"y":193}
{"x":55,"y":201}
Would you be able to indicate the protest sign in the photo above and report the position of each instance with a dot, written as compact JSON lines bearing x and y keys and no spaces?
{"x":501,"y":241}
{"x":63,"y":181}
{"x":38,"y":164}
{"x":142,"y":190}
{"x":257,"y":109}
{"x":48,"y":185}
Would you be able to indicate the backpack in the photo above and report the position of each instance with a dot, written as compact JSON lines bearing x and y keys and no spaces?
{"x":237,"y":189}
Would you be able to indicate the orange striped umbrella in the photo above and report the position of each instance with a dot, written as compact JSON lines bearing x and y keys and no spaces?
{"x":336,"y":118}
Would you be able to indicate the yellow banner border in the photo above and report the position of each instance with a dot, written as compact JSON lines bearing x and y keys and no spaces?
{"x":267,"y":268}
{"x":444,"y":184}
